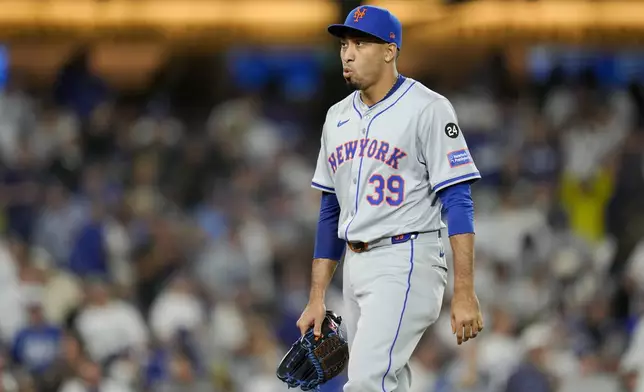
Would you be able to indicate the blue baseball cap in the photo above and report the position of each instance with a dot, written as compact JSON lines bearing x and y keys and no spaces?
{"x":371,"y":20}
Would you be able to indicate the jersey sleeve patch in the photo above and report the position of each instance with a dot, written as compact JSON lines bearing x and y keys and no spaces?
{"x":459,"y":158}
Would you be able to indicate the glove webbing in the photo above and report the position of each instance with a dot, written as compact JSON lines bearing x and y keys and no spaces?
{"x":317,"y":368}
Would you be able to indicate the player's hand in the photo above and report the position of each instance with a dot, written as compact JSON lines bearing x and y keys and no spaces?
{"x":467,"y":321}
{"x":313,"y":315}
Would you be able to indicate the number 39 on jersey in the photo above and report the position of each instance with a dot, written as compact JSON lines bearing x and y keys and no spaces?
{"x":390,"y":190}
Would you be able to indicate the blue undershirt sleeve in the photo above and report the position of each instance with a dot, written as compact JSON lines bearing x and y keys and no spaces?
{"x":327,"y":243}
{"x":457,"y":202}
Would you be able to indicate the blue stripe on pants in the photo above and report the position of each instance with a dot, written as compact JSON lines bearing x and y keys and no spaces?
{"x":402,"y":313}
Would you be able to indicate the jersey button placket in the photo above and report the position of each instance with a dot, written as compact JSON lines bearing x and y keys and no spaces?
{"x":359,"y":170}
{"x":356,"y":188}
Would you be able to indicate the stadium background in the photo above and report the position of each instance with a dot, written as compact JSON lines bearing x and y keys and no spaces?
{"x":157,"y":221}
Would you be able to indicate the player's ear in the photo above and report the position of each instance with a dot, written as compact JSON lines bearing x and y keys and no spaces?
{"x":390,"y":52}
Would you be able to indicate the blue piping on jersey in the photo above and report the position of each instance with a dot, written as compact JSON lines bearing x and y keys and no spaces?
{"x":346,"y":231}
{"x":322,"y":187}
{"x":402,"y":313}
{"x":455,"y":179}
{"x":399,"y":82}
{"x":354,"y":105}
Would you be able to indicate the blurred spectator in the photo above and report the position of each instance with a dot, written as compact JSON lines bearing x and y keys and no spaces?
{"x":499,"y":351}
{"x":228,"y":330}
{"x":586,"y":200}
{"x":462,"y":373}
{"x":97,"y":138}
{"x":599,"y":334}
{"x":210,"y":215}
{"x":190,"y":173}
{"x":60,"y":220}
{"x":157,"y":128}
{"x":16,"y":118}
{"x":157,"y":258}
{"x":13,"y":317}
{"x":243,"y":121}
{"x":55,"y":129}
{"x":539,"y":155}
{"x":627,"y":213}
{"x":515,"y":220}
{"x":36,"y":346}
{"x":590,"y":140}
{"x":20,"y":192}
{"x":90,"y":378}
{"x":64,"y":367}
{"x":425,"y":366}
{"x":144,"y":196}
{"x":118,"y":247}
{"x":258,"y":374}
{"x":177,"y":366}
{"x":631,"y":366}
{"x":222,"y":265}
{"x":109,"y":326}
{"x":533,"y":373}
{"x":77,"y":85}
{"x":8,"y":381}
{"x":62,"y":291}
{"x":176,"y":309}
{"x":88,"y":256}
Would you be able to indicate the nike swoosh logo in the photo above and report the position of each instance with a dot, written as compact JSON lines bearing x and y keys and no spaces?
{"x":341,"y":123}
{"x":442,"y":254}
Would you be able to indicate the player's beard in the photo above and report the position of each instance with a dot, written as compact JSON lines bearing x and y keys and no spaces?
{"x":351,"y":84}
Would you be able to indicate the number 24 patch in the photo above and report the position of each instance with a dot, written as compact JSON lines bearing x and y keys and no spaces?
{"x":459,"y":158}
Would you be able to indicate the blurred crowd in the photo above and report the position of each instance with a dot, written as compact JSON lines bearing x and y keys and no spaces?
{"x":146,"y":251}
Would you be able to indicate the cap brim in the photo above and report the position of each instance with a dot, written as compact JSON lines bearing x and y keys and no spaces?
{"x":341,"y":31}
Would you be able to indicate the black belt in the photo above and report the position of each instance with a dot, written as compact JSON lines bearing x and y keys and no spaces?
{"x":359,"y":246}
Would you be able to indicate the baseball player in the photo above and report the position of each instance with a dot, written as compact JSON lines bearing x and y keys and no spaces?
{"x":392,"y":156}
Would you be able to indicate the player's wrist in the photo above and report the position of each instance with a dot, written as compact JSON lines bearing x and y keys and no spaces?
{"x":463,"y":283}
{"x":317,"y":294}
{"x":464,"y":289}
{"x":317,"y":297}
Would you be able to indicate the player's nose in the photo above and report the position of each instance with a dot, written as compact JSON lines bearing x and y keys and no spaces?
{"x":348,"y":55}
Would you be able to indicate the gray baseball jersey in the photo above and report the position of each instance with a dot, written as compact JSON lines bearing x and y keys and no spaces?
{"x":386,"y":162}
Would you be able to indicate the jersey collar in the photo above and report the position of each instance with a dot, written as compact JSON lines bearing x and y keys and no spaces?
{"x":364,"y":107}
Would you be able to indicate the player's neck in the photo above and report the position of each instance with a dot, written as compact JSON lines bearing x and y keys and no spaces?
{"x":379,"y":90}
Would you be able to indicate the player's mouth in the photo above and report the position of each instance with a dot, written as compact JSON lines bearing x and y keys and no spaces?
{"x":347,"y":72}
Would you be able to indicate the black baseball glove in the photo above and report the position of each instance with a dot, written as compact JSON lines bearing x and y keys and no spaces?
{"x":310,"y":362}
